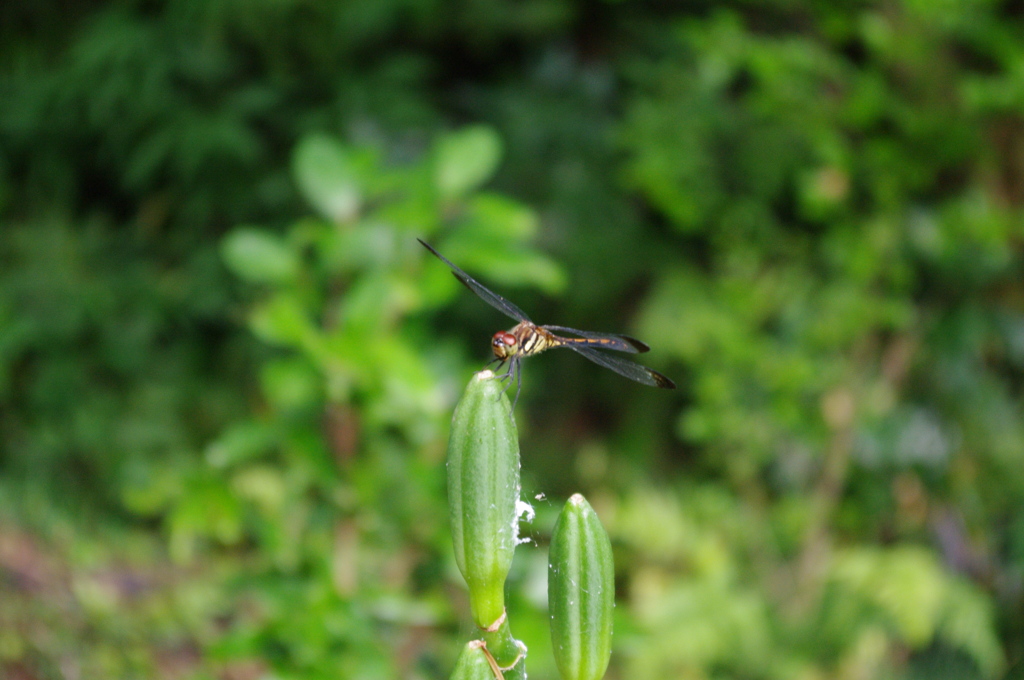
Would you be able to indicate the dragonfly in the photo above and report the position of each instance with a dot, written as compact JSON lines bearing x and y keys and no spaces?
{"x":527,"y":338}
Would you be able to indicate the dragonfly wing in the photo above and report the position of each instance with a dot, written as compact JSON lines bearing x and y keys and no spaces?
{"x":493,"y":299}
{"x":624,"y":367}
{"x":621,"y":343}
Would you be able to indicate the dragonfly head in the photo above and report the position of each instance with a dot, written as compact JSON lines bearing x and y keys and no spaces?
{"x":504,"y":345}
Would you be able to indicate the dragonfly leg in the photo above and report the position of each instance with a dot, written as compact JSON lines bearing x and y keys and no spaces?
{"x":515,"y":372}
{"x":508,"y":373}
{"x":519,"y":383}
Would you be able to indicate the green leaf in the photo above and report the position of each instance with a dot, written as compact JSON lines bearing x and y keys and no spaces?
{"x":282,"y":320}
{"x":207,"y":510}
{"x":291,"y":384}
{"x":240,"y":442}
{"x":967,"y":624}
{"x":581,"y":592}
{"x":497,"y":216}
{"x":517,"y":266}
{"x":464,"y":160}
{"x":906,"y":584}
{"x":483,"y":489}
{"x":369,"y":302}
{"x":264,"y":485}
{"x":259,"y":257}
{"x":504,"y":264}
{"x":326,"y":173}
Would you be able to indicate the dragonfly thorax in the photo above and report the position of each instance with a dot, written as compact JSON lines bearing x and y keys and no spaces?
{"x":526,"y":339}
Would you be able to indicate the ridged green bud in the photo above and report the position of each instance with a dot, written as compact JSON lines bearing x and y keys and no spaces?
{"x":581,"y":592}
{"x":483,"y":488}
{"x":473,"y":663}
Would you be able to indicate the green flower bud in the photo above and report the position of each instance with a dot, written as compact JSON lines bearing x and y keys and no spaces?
{"x":473,"y":663}
{"x":581,"y":592}
{"x":483,"y":488}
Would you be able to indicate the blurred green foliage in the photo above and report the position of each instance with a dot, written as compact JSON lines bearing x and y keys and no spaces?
{"x":217,"y":329}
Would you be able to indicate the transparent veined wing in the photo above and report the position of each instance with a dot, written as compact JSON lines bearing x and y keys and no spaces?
{"x":624,"y":367}
{"x":493,"y":299}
